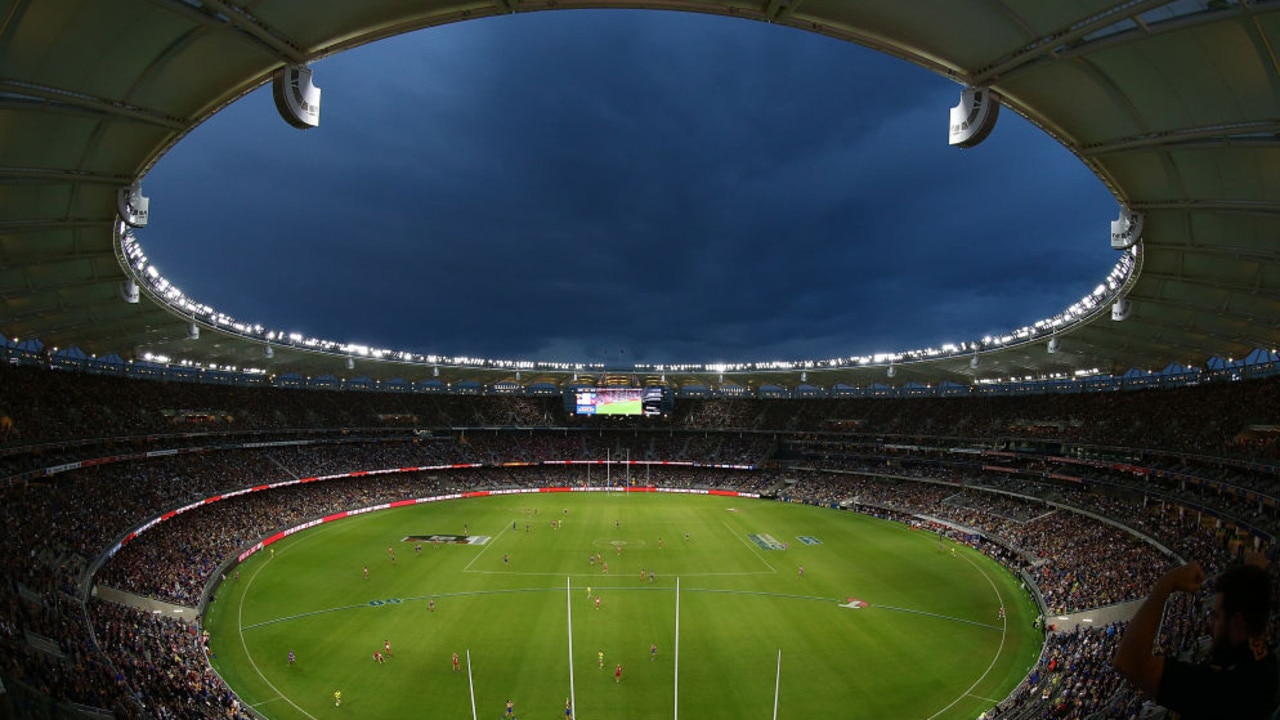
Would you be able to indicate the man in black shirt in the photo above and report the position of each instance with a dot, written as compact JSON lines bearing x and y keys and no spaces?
{"x":1240,"y":678}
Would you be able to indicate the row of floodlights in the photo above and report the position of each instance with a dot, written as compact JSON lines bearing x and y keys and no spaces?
{"x":1082,"y":308}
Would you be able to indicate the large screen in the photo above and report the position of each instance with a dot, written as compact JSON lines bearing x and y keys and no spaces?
{"x":618,"y":401}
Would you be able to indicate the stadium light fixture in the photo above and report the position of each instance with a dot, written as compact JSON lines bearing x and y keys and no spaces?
{"x":1109,"y":291}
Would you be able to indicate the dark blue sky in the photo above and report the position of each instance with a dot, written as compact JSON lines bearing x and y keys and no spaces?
{"x":626,"y":186}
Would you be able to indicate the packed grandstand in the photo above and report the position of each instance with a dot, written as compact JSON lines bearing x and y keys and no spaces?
{"x":1089,"y":513}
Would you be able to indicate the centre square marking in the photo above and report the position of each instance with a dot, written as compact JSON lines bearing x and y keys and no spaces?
{"x":618,"y":542}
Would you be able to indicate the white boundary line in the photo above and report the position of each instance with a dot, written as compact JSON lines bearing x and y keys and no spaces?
{"x":568,"y":602}
{"x":1004,"y":633}
{"x":245,"y":647}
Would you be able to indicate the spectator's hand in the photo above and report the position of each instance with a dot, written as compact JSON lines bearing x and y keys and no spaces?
{"x":1187,"y":578}
{"x":1253,"y":557}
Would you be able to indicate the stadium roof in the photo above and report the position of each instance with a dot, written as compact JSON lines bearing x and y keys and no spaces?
{"x":1174,"y":104}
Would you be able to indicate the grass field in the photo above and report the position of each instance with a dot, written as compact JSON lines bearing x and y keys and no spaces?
{"x":721,"y":611}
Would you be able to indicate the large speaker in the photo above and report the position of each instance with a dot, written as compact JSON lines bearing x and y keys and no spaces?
{"x":129,"y":291}
{"x":1126,"y":230}
{"x":974,"y":118}
{"x":132,"y":206}
{"x":1121,"y":309}
{"x":297,"y":98}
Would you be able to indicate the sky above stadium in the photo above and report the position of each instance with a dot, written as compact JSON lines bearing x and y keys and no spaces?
{"x":626,"y":187}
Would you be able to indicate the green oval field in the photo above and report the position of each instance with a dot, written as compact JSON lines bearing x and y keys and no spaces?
{"x":737,"y":627}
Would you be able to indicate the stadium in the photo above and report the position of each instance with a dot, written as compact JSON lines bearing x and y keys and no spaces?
{"x":173,"y":472}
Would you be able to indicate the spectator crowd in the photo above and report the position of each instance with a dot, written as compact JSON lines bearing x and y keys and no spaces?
{"x":1144,"y":473}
